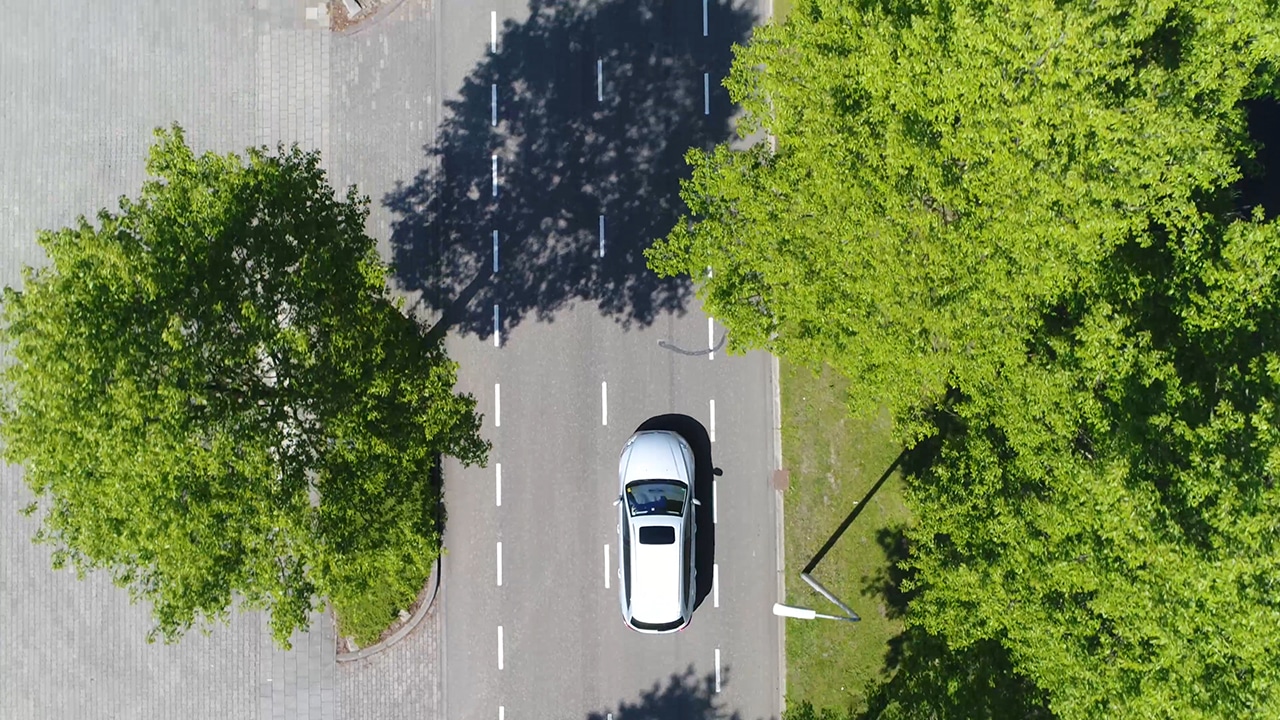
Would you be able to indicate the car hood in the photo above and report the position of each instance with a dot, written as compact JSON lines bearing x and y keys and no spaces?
{"x":653,"y":456}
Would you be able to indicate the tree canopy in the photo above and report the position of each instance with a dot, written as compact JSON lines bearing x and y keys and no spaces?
{"x":216,"y":398}
{"x":1016,"y":221}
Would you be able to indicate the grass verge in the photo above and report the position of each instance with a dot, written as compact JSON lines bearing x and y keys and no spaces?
{"x":834,"y":461}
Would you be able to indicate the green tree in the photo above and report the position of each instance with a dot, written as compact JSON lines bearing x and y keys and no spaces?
{"x":1019,"y":215}
{"x":217,"y":401}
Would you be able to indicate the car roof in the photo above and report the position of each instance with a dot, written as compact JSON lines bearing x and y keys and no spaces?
{"x":656,"y":573}
{"x":654,"y":455}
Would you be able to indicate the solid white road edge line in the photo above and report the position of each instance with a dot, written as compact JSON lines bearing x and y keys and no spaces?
{"x":499,"y":563}
{"x":604,"y":403}
{"x":497,"y":405}
{"x":500,"y":663}
{"x":715,"y":585}
{"x":497,"y":485}
{"x":606,"y":566}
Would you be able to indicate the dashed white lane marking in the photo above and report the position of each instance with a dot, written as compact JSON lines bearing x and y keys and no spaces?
{"x":497,"y":485}
{"x":604,"y":403}
{"x":704,"y":18}
{"x":495,"y":252}
{"x":495,"y":175}
{"x":493,"y":31}
{"x":493,"y":104}
{"x":499,"y":564}
{"x":500,"y":660}
{"x":715,"y":502}
{"x":711,"y":338}
{"x":713,"y":421}
{"x":497,"y":328}
{"x":706,"y":93}
{"x":715,"y":585}
{"x":502,"y":713}
{"x":601,"y":236}
{"x":497,"y":405}
{"x":600,"y":80}
{"x":717,"y":670}
{"x":606,"y":566}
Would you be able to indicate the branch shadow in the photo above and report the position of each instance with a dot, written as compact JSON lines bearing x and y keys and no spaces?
{"x":561,"y":157}
{"x":704,"y":470}
{"x":686,"y":696}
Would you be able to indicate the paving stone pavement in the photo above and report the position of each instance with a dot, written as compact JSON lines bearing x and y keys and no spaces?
{"x":82,"y":84}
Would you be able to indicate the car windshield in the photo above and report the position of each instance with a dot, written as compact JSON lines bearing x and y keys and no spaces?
{"x":656,"y":497}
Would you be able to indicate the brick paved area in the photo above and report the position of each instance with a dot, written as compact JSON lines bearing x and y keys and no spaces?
{"x":82,"y":84}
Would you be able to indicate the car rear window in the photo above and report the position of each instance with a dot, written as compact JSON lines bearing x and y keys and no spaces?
{"x":659,"y":535}
{"x":657,"y":627}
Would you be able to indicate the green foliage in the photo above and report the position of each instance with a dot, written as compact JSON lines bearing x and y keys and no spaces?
{"x":1019,"y":216}
{"x":215,"y":398}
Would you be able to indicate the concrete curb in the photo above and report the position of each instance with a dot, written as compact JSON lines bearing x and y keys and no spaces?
{"x":433,"y":581}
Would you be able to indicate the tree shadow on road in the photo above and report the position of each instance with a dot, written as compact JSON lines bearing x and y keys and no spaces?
{"x":564,"y":158}
{"x":686,"y":696}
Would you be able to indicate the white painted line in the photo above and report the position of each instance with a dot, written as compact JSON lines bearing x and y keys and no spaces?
{"x":499,"y":564}
{"x":601,"y":236}
{"x":493,"y":105}
{"x":497,"y":328}
{"x":500,"y":663}
{"x":497,"y":485}
{"x":604,"y":403}
{"x":706,"y":93}
{"x":497,"y":405}
{"x":711,"y":338}
{"x":495,"y":252}
{"x":715,"y":502}
{"x":704,"y":18}
{"x":713,"y":421}
{"x":495,"y":175}
{"x":600,"y":80}
{"x":717,"y":666}
{"x":715,"y":585}
{"x":502,"y":713}
{"x":493,"y":31}
{"x":606,"y":566}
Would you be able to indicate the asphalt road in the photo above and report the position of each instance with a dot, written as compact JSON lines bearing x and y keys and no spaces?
{"x":562,"y":130}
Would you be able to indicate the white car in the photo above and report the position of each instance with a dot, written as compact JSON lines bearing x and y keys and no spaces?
{"x":656,"y":530}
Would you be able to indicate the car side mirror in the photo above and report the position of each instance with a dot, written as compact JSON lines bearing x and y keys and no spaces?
{"x":617,"y":501}
{"x":696,"y":501}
